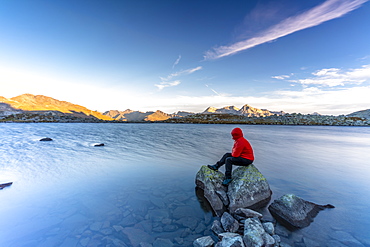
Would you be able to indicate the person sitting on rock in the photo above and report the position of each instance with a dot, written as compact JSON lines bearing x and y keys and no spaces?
{"x":241,"y":155}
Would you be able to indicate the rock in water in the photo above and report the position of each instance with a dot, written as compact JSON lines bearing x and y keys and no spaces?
{"x":99,"y":145}
{"x":229,"y":223}
{"x":46,"y":139}
{"x":244,"y":213}
{"x":211,"y":183}
{"x":206,"y":241}
{"x":294,"y":212}
{"x":230,"y":239}
{"x":248,"y":189}
{"x":2,"y":186}
{"x":217,"y":227}
{"x":255,"y":234}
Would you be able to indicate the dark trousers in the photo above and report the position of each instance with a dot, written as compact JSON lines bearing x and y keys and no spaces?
{"x":229,"y":161}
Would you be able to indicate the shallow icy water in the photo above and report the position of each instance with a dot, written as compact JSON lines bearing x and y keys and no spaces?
{"x":140,"y":186}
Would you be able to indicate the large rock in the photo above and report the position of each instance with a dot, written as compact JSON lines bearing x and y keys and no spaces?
{"x":248,"y":189}
{"x":294,"y":212}
{"x":211,"y":183}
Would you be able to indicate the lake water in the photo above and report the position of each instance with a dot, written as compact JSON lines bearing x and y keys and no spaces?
{"x":140,"y":186}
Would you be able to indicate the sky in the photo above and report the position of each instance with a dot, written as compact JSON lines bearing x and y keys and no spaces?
{"x":187,"y":55}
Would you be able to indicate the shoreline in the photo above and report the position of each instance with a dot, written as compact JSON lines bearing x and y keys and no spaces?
{"x":293,"y":119}
{"x":163,"y":122}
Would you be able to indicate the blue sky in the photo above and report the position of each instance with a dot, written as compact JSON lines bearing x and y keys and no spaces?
{"x":295,"y":56}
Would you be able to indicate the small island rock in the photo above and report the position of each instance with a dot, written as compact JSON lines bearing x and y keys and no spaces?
{"x":294,"y":212}
{"x":2,"y":186}
{"x":99,"y":145}
{"x":46,"y":139}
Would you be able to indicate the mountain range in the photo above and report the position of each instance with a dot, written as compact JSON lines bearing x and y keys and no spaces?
{"x":137,"y":116}
{"x":246,"y":110}
{"x":40,"y":103}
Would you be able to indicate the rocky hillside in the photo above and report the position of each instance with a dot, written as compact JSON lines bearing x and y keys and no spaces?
{"x":246,"y":110}
{"x":361,"y":114}
{"x":30,"y":102}
{"x":6,"y":107}
{"x":118,"y":115}
{"x":286,"y":119}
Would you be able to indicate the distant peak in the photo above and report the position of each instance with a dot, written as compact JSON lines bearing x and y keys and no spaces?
{"x":210,"y":109}
{"x":247,"y":106}
{"x":231,"y":108}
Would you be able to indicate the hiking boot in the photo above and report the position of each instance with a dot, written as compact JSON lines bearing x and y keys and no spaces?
{"x":226,"y":181}
{"x":213,"y":167}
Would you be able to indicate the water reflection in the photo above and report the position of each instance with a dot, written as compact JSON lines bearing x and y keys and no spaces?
{"x":140,"y":185}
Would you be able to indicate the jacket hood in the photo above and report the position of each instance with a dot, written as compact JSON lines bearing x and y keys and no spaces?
{"x":237,"y":133}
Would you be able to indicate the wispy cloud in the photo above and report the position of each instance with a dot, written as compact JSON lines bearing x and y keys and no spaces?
{"x":187,"y":71}
{"x":181,"y":73}
{"x":212,"y":90}
{"x":280,"y":77}
{"x":169,"y":82}
{"x":164,"y":84}
{"x":176,"y":62}
{"x":333,"y":77}
{"x":330,"y":9}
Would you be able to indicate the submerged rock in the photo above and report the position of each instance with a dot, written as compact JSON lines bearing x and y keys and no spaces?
{"x":136,"y":236}
{"x":345,"y":238}
{"x":248,"y":189}
{"x":211,"y":183}
{"x":294,"y":212}
{"x":162,"y":242}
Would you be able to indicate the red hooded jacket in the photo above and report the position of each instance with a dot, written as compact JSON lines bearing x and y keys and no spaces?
{"x":242,"y":148}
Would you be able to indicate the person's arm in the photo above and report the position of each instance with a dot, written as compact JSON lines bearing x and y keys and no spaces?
{"x":237,"y":149}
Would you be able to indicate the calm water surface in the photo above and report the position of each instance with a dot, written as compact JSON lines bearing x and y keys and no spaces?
{"x":139,"y":187}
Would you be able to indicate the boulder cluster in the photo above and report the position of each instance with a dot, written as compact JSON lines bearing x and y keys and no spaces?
{"x":248,"y":230}
{"x":239,"y":225}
